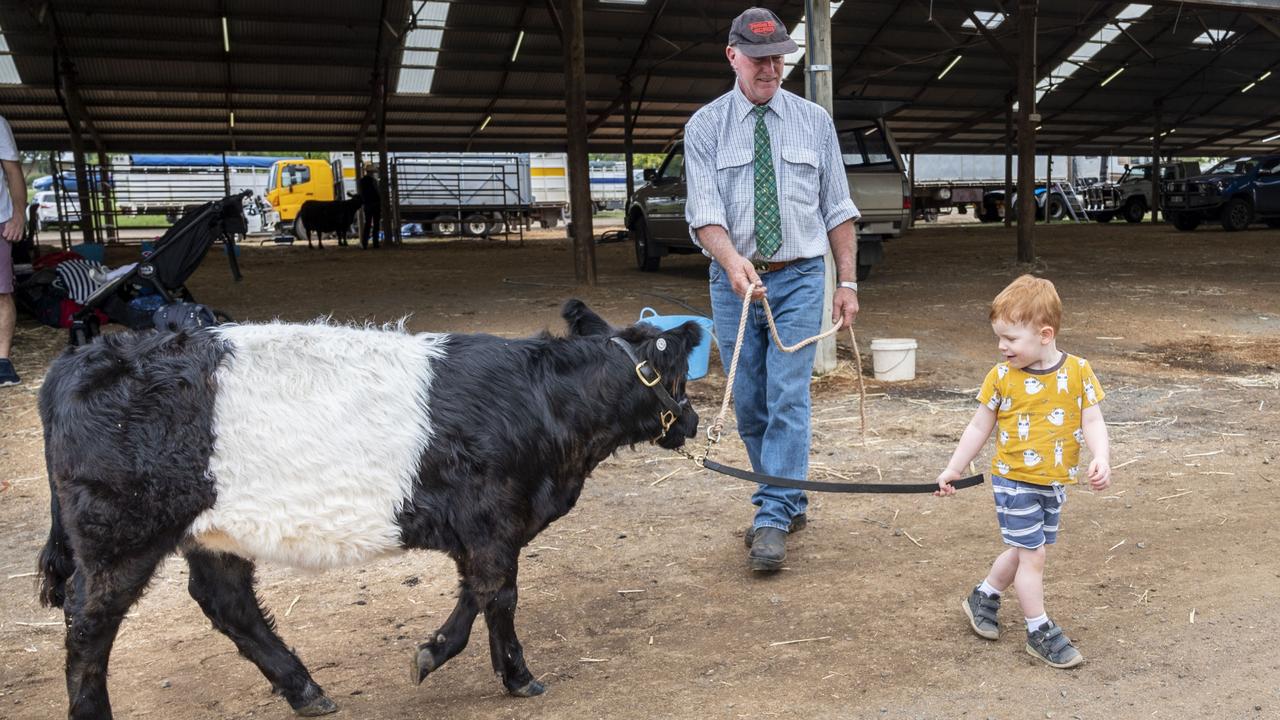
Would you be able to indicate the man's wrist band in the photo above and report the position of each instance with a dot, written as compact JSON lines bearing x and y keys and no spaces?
{"x":850,"y":285}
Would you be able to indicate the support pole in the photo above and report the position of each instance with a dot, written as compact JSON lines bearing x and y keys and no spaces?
{"x":583,"y":234}
{"x":1155,"y":166}
{"x":817,"y":85}
{"x":627,"y":146}
{"x":1048,"y":187}
{"x":911,"y":183}
{"x":1008,"y":161}
{"x":389,"y":236}
{"x":1027,"y":120}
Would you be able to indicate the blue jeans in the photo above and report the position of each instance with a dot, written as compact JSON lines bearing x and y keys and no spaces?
{"x":771,"y":390}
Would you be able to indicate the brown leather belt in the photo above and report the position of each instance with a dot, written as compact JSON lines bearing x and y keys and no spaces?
{"x":763,"y":266}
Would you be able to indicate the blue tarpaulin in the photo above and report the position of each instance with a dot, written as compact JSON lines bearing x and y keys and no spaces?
{"x":201,"y":160}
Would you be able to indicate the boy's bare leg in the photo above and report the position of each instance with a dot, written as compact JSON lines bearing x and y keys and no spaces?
{"x":1029,"y":581}
{"x":1003,"y":570}
{"x":8,"y":318}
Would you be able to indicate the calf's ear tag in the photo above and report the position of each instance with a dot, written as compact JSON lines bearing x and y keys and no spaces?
{"x":661,"y":344}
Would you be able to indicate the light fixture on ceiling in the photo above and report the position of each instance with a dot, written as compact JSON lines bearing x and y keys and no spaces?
{"x":1248,"y":87}
{"x":1270,"y":139}
{"x":950,"y":65}
{"x":485,"y":124}
{"x":519,"y":39}
{"x":226,"y":36}
{"x":1112,"y":76}
{"x":233,"y":118}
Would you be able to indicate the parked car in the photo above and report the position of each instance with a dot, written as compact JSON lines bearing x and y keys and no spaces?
{"x":1236,"y":192}
{"x":656,"y":219}
{"x":47,"y":209}
{"x":1130,"y":196}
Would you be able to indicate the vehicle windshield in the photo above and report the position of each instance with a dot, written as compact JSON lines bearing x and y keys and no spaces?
{"x":271,"y":182}
{"x":865,"y":147}
{"x":1235,"y":166}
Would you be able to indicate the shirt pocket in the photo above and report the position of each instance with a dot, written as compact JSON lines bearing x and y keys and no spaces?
{"x":734,"y":176}
{"x":800,"y":175}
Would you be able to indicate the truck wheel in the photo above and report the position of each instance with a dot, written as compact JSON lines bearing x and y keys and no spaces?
{"x":1237,"y":215}
{"x":990,"y":213}
{"x":475,"y":225}
{"x":544,"y":223}
{"x":446,"y":226}
{"x":1057,"y":208}
{"x":646,"y":259}
{"x":1185,"y":221}
{"x":864,"y":272}
{"x":1104,"y":217}
{"x":1134,"y":211}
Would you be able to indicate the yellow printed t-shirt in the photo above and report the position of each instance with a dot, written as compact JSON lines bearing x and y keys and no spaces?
{"x":1038,"y":433}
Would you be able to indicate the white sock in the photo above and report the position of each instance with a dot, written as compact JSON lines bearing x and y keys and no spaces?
{"x":986,"y":587}
{"x":1034,"y":623}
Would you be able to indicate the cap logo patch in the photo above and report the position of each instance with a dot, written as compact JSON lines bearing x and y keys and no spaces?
{"x":764,"y":27}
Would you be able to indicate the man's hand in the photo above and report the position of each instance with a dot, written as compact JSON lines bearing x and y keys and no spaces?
{"x":13,"y":227}
{"x":742,"y":274}
{"x":1099,"y":474}
{"x":844,"y":307}
{"x":945,"y":479}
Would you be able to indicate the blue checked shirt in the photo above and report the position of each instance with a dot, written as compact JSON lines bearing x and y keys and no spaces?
{"x":813,"y":192}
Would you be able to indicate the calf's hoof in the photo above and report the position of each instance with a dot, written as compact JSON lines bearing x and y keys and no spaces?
{"x":423,"y":664}
{"x":532,"y":688}
{"x":319,"y":706}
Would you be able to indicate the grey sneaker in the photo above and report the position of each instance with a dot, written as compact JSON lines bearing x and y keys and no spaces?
{"x":981,"y":610}
{"x":1050,"y":645}
{"x":8,"y":376}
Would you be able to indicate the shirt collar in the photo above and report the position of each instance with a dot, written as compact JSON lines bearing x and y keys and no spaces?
{"x":743,"y":106}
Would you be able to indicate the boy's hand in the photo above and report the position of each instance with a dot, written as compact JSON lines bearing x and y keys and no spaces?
{"x":944,"y":483}
{"x":1099,"y":474}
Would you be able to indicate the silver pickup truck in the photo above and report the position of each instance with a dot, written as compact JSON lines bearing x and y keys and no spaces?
{"x":656,"y":220}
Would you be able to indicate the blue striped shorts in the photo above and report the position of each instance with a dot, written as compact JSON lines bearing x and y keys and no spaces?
{"x":1028,"y":514}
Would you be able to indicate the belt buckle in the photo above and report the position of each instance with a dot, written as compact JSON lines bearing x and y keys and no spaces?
{"x":761,"y":266}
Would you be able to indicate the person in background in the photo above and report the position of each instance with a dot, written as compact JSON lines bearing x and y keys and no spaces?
{"x":371,"y":203}
{"x":13,"y":202}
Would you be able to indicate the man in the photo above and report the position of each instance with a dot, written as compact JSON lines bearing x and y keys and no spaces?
{"x":767,"y":197}
{"x":371,"y":203}
{"x":13,"y":201}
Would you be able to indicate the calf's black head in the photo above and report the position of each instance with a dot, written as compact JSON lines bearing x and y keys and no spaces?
{"x":666,"y":352}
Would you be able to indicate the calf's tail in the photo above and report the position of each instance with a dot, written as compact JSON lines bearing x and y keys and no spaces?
{"x":56,"y":563}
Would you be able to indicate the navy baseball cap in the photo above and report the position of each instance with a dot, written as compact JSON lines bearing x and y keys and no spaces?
{"x":757,"y":32}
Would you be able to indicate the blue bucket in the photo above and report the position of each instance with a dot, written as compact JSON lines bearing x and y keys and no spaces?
{"x":701,"y":355}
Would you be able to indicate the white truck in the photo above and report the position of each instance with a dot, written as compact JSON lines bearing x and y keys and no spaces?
{"x":1130,"y":196}
{"x":170,"y":184}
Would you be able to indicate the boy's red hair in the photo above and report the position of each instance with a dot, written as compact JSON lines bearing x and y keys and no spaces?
{"x":1030,"y":301}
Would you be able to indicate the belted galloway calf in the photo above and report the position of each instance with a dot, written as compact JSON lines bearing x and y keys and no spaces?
{"x":318,"y":446}
{"x":325,"y":216}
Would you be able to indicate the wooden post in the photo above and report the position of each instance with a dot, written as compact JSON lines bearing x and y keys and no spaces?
{"x":627,"y":146}
{"x":1027,"y":120}
{"x":817,"y":85}
{"x":584,"y":246}
{"x":911,"y":183}
{"x":1008,"y":161}
{"x":84,"y":194}
{"x":1155,"y":166}
{"x":389,"y":232}
{"x":1048,"y":186}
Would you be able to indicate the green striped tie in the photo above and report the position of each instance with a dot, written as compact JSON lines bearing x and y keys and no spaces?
{"x":768,"y":221}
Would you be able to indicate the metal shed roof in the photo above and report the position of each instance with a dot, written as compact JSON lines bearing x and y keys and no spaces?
{"x":157,"y":75}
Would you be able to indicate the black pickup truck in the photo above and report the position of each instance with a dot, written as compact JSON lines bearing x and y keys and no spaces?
{"x":1236,"y":192}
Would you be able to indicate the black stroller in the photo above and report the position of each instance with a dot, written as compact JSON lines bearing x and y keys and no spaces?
{"x":165,"y":271}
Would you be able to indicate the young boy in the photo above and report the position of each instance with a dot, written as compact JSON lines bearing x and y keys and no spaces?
{"x":1044,"y":403}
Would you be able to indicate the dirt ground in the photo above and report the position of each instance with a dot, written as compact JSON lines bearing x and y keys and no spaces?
{"x":639,"y":603}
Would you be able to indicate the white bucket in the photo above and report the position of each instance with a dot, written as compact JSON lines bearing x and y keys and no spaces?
{"x":894,"y":359}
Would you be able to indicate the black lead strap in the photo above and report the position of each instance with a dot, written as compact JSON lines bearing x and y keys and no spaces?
{"x":819,"y":486}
